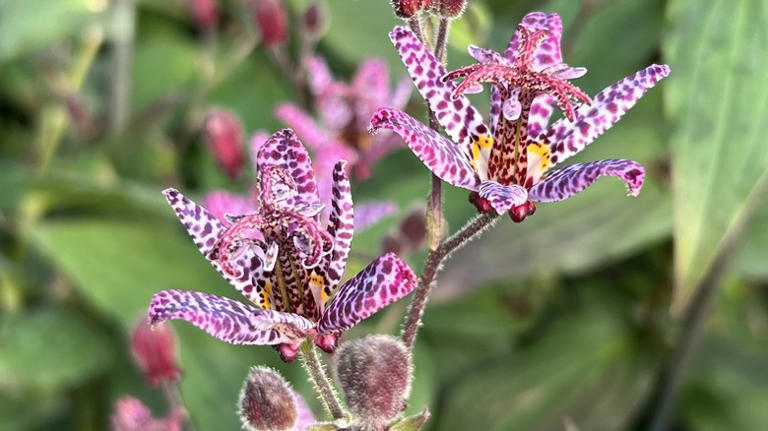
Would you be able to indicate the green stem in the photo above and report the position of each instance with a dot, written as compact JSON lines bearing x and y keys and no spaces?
{"x":320,"y":379}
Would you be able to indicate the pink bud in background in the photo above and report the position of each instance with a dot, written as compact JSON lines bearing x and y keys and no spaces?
{"x":205,"y":13}
{"x":272,"y":22}
{"x":267,"y":402}
{"x":314,"y":20}
{"x":223,"y":134}
{"x":132,"y":415}
{"x":154,"y":349}
{"x":375,"y":375}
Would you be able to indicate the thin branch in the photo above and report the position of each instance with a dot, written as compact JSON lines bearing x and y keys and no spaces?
{"x":320,"y":380}
{"x":122,"y":57}
{"x":432,"y":267}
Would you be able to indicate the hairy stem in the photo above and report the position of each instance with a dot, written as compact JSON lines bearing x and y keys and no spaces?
{"x":320,"y":379}
{"x":431,"y":268}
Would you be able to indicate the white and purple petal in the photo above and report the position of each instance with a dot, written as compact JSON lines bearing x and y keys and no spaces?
{"x":370,"y":213}
{"x":566,"y":138}
{"x":502,"y":197}
{"x":227,"y":319}
{"x":440,"y":155}
{"x":205,"y":230}
{"x":568,"y":181}
{"x":548,"y":52}
{"x":461,"y":121}
{"x":382,"y":282}
{"x":341,"y":227}
{"x":283,"y":150}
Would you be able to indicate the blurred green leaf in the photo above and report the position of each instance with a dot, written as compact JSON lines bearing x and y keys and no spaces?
{"x":359,"y":29}
{"x":119,"y":265}
{"x":717,"y":98}
{"x":27,"y":25}
{"x":752,"y":257}
{"x":165,"y":64}
{"x":583,"y":370}
{"x":472,"y":28}
{"x":51,"y":349}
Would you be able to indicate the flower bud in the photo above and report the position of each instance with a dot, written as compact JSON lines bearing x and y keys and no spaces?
{"x":408,"y":8}
{"x":266,"y":401}
{"x":205,"y":13}
{"x":223,"y":134}
{"x":154,"y":349}
{"x":272,"y":22}
{"x":482,"y":204}
{"x":314,"y":20}
{"x":132,"y":415}
{"x":413,"y":227}
{"x":518,"y":213}
{"x":449,"y":8}
{"x":375,"y":375}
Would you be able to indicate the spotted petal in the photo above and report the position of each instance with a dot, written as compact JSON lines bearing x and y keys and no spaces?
{"x":566,"y":138}
{"x":459,"y":118}
{"x":303,"y":124}
{"x":227,"y":319}
{"x":341,"y":227}
{"x":503,"y":197}
{"x":539,"y":115}
{"x":548,"y":52}
{"x":570,"y":180}
{"x":439,"y":154}
{"x":283,"y":150}
{"x":205,"y":230}
{"x":329,"y":94}
{"x":371,"y":81}
{"x":220,"y":203}
{"x":382,"y":282}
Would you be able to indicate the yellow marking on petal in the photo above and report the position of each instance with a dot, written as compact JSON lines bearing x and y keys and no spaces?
{"x":481,"y":153}
{"x":538,"y":160}
{"x":317,"y":286}
{"x":265,"y":304}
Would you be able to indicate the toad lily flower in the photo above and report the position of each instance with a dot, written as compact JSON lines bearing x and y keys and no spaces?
{"x":506,"y":165}
{"x":345,"y":109}
{"x":283,"y":260}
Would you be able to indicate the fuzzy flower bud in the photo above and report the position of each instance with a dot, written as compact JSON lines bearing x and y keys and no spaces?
{"x":272,"y":21}
{"x":205,"y":13}
{"x":375,"y":375}
{"x":223,"y":134}
{"x":449,"y":8}
{"x":408,"y":8}
{"x":154,"y":349}
{"x":267,"y":402}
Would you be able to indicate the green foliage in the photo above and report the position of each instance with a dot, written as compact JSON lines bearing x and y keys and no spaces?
{"x":716,"y":98}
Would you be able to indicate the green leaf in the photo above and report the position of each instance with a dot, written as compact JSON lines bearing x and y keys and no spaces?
{"x":750,"y":260}
{"x":27,"y":25}
{"x":717,"y":98}
{"x":583,"y":371}
{"x":412,"y":423}
{"x":119,"y":265}
{"x":51,"y":349}
{"x":359,"y":29}
{"x":164,"y":63}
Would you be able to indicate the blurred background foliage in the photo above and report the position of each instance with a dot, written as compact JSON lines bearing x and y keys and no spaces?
{"x":567,"y":319}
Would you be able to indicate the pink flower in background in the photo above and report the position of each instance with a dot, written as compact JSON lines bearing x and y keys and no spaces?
{"x":220,"y":202}
{"x":132,"y":415}
{"x":223,"y":134}
{"x":271,"y":21}
{"x":284,"y":260}
{"x":506,"y":165}
{"x":154,"y":349}
{"x":205,"y":13}
{"x":345,"y":109}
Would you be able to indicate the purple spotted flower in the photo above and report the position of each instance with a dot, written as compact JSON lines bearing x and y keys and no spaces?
{"x":284,"y":260}
{"x":506,"y":165}
{"x":345,"y":109}
{"x":220,"y":202}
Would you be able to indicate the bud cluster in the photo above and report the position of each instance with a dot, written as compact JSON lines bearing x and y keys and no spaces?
{"x":407,"y":9}
{"x":267,"y":402}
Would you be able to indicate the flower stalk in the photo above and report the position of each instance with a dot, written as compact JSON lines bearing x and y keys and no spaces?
{"x":320,"y":380}
{"x":434,"y":260}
